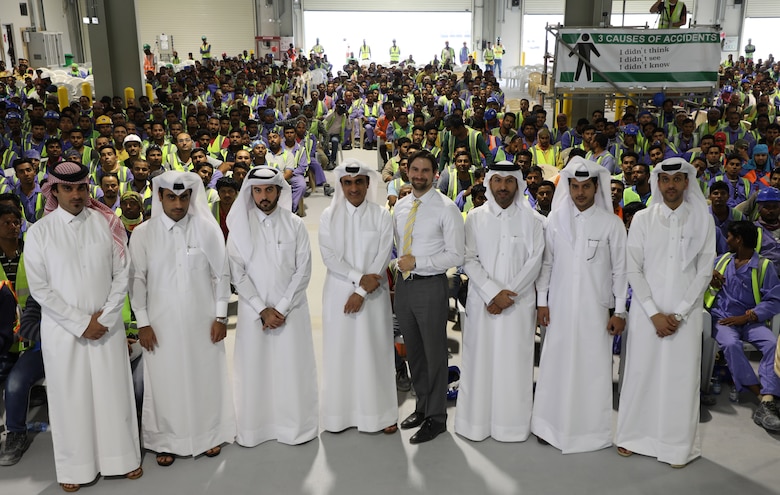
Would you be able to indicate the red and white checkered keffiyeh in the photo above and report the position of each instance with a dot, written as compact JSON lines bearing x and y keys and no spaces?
{"x":74,"y":173}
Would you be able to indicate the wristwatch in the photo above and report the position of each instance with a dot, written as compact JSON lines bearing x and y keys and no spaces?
{"x":221,"y":319}
{"x":622,"y":315}
{"x":678,"y":317}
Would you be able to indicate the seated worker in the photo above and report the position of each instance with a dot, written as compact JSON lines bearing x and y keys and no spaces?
{"x":744,"y":295}
{"x":749,"y":208}
{"x":399,"y":179}
{"x":721,"y":212}
{"x":21,"y":360}
{"x":739,"y":187}
{"x":457,"y":177}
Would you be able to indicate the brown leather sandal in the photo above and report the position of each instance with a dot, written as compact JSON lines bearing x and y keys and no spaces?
{"x":136,"y":473}
{"x":213,"y":452}
{"x":390,"y":429}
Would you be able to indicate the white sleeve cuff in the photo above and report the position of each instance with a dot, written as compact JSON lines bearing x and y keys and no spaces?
{"x":355,"y":277}
{"x":283,"y":306}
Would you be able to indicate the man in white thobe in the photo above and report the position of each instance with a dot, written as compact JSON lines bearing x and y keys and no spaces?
{"x":77,"y":270}
{"x":179,"y":290}
{"x":671,"y":250}
{"x":275,"y":375}
{"x":504,"y":248}
{"x":583,"y":279}
{"x":356,"y":240}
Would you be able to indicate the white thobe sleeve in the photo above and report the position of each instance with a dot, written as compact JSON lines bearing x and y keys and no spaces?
{"x":115,"y":301}
{"x":479,"y":278}
{"x":543,"y":281}
{"x":138,"y":270}
{"x":222,"y":288}
{"x":533,"y":264}
{"x":244,"y":285}
{"x":692,"y":299}
{"x":333,"y":259}
{"x":635,"y":259}
{"x":381,"y":259}
{"x":69,"y":317}
{"x":300,"y":278}
{"x":617,"y":253}
{"x":335,"y":262}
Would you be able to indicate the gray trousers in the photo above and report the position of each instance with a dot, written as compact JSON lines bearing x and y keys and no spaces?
{"x":421,"y":308}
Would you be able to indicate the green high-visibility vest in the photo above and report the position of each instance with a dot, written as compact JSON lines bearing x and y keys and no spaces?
{"x":631,"y":196}
{"x":668,"y":19}
{"x":20,"y":287}
{"x":21,"y":291}
{"x":216,"y":146}
{"x":395,"y":54}
{"x":756,"y":278}
{"x":473,"y":151}
{"x":8,"y":158}
{"x":365,"y":52}
{"x":745,"y":184}
{"x":371,"y":111}
{"x":452,"y":189}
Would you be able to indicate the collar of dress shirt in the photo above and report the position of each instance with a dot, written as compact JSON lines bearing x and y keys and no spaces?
{"x":585,"y":214}
{"x":262,"y":216}
{"x":69,"y":217}
{"x":507,"y":212}
{"x":425,"y":197}
{"x":351,"y":209}
{"x":170,"y":223}
{"x":667,"y":212}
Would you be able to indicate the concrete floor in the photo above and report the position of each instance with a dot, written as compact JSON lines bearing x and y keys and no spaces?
{"x":738,"y":456}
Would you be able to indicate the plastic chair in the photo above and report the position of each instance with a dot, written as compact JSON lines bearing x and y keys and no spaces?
{"x":775,"y":327}
{"x":534,"y":81}
{"x":513,"y":105}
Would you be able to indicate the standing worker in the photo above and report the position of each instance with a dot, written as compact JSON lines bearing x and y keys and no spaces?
{"x":488,"y":57}
{"x":317,"y":49}
{"x":365,"y":52}
{"x":395,"y":53}
{"x":150,"y":61}
{"x":447,"y":54}
{"x":498,"y":55}
{"x":673,"y":13}
{"x":464,"y":54}
{"x":205,"y":49}
{"x":750,"y":49}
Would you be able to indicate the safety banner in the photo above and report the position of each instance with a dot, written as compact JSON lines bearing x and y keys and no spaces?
{"x":589,"y":60}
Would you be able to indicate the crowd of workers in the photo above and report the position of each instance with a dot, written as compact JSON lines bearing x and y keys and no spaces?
{"x":547,"y":204}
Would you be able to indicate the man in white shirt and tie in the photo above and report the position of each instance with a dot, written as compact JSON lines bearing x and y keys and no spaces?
{"x":429,"y":236}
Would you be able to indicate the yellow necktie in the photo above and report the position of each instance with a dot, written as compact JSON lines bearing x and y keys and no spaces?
{"x":408,"y":228}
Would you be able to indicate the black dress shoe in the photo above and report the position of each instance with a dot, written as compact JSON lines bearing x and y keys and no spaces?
{"x":542,"y":441}
{"x":413,"y":421}
{"x":429,"y":430}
